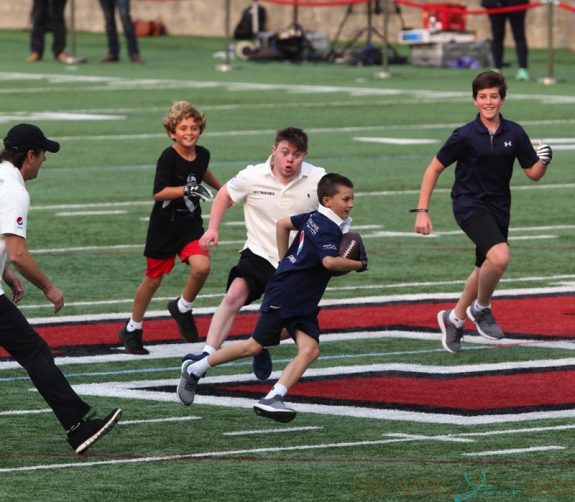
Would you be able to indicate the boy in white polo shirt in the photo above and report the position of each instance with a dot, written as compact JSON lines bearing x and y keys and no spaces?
{"x":281,"y":186}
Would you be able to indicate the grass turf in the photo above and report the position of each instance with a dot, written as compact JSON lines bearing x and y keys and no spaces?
{"x":107,"y":163}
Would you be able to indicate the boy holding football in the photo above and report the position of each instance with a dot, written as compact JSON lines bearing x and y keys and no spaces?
{"x":292,"y":296}
{"x":175,"y":225}
{"x":484,"y":151}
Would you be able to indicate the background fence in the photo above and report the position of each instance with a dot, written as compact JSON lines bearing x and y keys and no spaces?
{"x":207,"y":17}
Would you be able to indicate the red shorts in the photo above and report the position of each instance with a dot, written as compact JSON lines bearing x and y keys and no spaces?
{"x":156,"y":267}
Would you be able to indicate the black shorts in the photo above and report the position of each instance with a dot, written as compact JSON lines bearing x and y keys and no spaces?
{"x":270,"y":324}
{"x":485,"y":233}
{"x":255,"y":270}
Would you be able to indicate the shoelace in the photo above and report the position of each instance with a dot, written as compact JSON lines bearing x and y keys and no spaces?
{"x":486,"y":316}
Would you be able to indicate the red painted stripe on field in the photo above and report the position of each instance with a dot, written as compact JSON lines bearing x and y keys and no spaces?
{"x":480,"y":393}
{"x":552,"y":316}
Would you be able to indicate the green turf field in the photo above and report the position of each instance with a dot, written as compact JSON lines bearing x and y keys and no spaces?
{"x":87,"y":228}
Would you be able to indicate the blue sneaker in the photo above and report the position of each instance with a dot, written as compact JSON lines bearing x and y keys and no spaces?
{"x":263,"y":364}
{"x":194,"y":357}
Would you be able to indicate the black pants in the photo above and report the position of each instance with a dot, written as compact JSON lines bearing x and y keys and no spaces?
{"x":30,"y":350}
{"x":109,"y":10}
{"x":48,"y":15}
{"x":517,"y":22}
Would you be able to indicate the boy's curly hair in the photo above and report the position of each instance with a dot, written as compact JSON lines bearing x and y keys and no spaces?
{"x":181,"y":110}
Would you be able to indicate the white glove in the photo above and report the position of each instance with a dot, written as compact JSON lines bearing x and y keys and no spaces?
{"x":544,"y":153}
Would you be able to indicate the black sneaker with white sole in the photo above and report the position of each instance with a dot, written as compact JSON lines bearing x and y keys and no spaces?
{"x":275,"y":409}
{"x":85,"y":433}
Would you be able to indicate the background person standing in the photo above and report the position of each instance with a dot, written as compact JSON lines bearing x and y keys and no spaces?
{"x":517,"y":22}
{"x":109,"y":9}
{"x":48,"y":15}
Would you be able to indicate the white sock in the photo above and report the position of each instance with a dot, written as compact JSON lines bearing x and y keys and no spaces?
{"x":199,"y":368}
{"x":209,"y":349}
{"x":277,"y":390}
{"x":133,"y":325}
{"x":458,"y":323}
{"x":480,"y":307}
{"x":184,"y":306}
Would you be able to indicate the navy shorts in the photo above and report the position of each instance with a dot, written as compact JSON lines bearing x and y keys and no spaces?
{"x":271,"y":323}
{"x":485,"y":233}
{"x":255,"y":270}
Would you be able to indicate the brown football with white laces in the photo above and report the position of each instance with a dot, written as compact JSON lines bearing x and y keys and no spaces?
{"x":349,"y":247}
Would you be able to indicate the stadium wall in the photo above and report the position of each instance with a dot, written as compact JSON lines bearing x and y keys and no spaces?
{"x":207,"y":18}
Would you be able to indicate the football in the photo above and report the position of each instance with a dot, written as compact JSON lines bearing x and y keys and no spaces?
{"x":349,"y":245}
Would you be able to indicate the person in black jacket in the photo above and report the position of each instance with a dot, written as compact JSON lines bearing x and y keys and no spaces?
{"x":517,"y":22}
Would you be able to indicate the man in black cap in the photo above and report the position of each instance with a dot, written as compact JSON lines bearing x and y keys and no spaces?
{"x":24,"y":152}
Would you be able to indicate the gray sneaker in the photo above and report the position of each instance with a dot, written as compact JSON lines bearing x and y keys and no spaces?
{"x":275,"y":409}
{"x":451,"y":339}
{"x":187,"y":385}
{"x":485,"y":322}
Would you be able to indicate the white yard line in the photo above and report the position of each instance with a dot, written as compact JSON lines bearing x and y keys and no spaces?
{"x":513,"y":451}
{"x":272,"y":431}
{"x":210,"y":454}
{"x":392,"y":439}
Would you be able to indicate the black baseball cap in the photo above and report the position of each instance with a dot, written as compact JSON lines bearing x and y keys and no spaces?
{"x":24,"y":137}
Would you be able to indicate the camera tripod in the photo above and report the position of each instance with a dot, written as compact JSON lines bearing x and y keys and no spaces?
{"x":369,"y":30}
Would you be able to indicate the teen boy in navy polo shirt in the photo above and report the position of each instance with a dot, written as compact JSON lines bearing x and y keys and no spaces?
{"x":484,"y":151}
{"x":292,"y":297}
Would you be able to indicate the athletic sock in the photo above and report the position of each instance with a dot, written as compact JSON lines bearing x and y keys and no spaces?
{"x":208,"y":349}
{"x":199,"y":368}
{"x":480,"y":307}
{"x":277,"y":390}
{"x":133,"y":325}
{"x":184,"y":306}
{"x":458,"y":323}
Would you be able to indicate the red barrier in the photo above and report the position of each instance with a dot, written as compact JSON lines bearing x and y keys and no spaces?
{"x":315,"y":3}
{"x":407,"y":3}
{"x":455,"y":7}
{"x":565,"y":6}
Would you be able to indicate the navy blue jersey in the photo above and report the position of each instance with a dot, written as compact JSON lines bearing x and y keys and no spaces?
{"x":485,"y":166}
{"x":300,"y":279}
{"x":175,"y":223}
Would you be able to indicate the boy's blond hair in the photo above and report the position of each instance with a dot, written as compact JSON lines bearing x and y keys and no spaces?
{"x":181,"y":110}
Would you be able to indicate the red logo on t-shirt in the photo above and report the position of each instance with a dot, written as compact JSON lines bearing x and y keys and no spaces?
{"x":19,"y":221}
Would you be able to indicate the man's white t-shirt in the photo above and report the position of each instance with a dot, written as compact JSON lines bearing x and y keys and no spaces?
{"x":266,"y":200}
{"x":14,"y":206}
